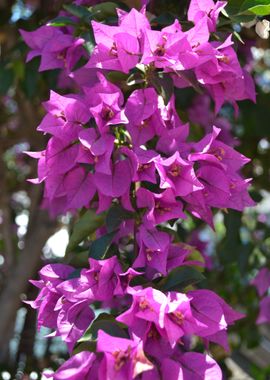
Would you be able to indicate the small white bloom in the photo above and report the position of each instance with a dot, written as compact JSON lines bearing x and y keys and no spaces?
{"x":262,"y":28}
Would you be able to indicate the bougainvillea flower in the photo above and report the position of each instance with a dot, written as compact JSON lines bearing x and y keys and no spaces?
{"x":94,"y":93}
{"x":264,"y":314}
{"x":98,"y":282}
{"x":53,"y":46}
{"x":73,"y":320}
{"x":116,"y":49}
{"x":211,"y":149}
{"x":177,"y":174}
{"x":51,"y":276}
{"x":140,"y":108}
{"x":65,"y":118}
{"x":108,"y":112}
{"x":100,"y":148}
{"x":146,"y":165}
{"x":153,"y":249}
{"x":178,"y":319}
{"x":166,"y":49}
{"x":191,"y":366}
{"x":123,"y":358}
{"x":122,"y":174}
{"x":80,"y":188}
{"x":162,"y":207}
{"x":77,"y":367}
{"x":135,"y":22}
{"x":262,"y":281}
{"x":148,"y":307}
{"x":205,"y":8}
{"x":219,"y":314}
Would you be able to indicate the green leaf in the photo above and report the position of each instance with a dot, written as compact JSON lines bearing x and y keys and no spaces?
{"x":85,"y":346}
{"x":135,"y":78}
{"x":233,"y":7}
{"x":75,"y":274}
{"x":116,"y":216}
{"x":107,"y":323}
{"x":104,"y":10}
{"x":90,"y":42}
{"x":85,"y":226}
{"x":229,"y":246}
{"x":163,"y":84}
{"x":31,"y":78}
{"x":6,"y":78}
{"x":99,"y":248}
{"x":164,"y":19}
{"x":78,"y":11}
{"x":179,"y":278}
{"x":61,"y":21}
{"x":259,"y":7}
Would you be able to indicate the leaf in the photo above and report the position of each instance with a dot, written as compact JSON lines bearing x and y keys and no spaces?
{"x":233,"y":7}
{"x":237,"y":35}
{"x":259,"y":7}
{"x":6,"y":78}
{"x":85,"y":346}
{"x":163,"y":84}
{"x":90,"y":42}
{"x":179,"y":278}
{"x":104,"y":10}
{"x":164,"y":19}
{"x":116,"y":76}
{"x":107,"y":323}
{"x":230,"y":245}
{"x":61,"y":21}
{"x":85,"y":226}
{"x":116,"y":216}
{"x":135,"y":78}
{"x":78,"y":11}
{"x":99,"y":248}
{"x":196,"y":255}
{"x":31,"y":77}
{"x":75,"y":274}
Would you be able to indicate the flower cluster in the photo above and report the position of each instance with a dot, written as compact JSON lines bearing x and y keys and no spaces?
{"x":122,"y":142}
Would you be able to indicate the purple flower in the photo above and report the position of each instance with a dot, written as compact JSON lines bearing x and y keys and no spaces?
{"x":162,"y":207}
{"x":57,"y":50}
{"x":177,"y":174}
{"x":212,"y":313}
{"x":117,"y":183}
{"x":98,"y":149}
{"x":140,"y":110}
{"x":153,"y":249}
{"x":116,"y":49}
{"x":108,"y":112}
{"x":262,"y":281}
{"x":97,"y":283}
{"x":77,"y":367}
{"x":168,"y":48}
{"x":264,"y":314}
{"x":205,"y":8}
{"x":73,"y":320}
{"x":123,"y":358}
{"x":191,"y":366}
{"x":148,"y":308}
{"x":50,"y":277}
{"x":146,"y":165}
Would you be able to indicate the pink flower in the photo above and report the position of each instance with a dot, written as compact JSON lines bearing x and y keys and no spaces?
{"x":205,"y":8}
{"x":57,"y":50}
{"x":262,"y":281}
{"x":123,"y":358}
